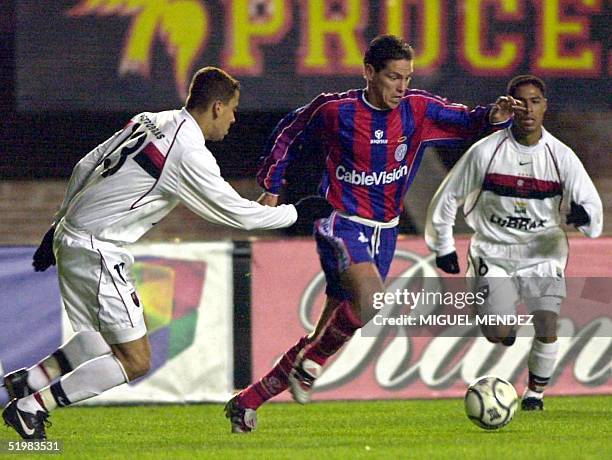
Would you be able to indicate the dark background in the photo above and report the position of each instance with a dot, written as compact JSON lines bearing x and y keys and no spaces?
{"x":37,"y":143}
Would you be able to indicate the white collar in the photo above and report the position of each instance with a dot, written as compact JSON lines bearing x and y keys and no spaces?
{"x":529,"y":149}
{"x":369,"y":104}
{"x":186,"y":114}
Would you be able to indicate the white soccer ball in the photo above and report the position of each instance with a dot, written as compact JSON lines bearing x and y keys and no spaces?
{"x":490,"y":402}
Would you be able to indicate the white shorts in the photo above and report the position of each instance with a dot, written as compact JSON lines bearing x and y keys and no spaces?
{"x":96,"y":286}
{"x":537,"y":282}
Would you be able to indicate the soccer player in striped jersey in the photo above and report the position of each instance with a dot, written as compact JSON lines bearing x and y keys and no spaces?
{"x":511,"y":185}
{"x":372,"y":140}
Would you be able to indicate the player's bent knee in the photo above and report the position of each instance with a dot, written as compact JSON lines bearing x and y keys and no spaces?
{"x":135,"y":368}
{"x":498,"y":334}
{"x":143,"y":368}
{"x":135,"y":357}
{"x":142,"y":364}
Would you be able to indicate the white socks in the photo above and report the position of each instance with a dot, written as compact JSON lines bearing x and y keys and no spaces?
{"x":90,"y":379}
{"x":43,"y":373}
{"x":532,"y":394}
{"x":81,"y":347}
{"x":541,"y":364}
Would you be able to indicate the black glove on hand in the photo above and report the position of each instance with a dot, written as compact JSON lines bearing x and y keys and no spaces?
{"x":43,"y":257}
{"x":577,"y":216}
{"x":448,"y":263}
{"x":310,"y":209}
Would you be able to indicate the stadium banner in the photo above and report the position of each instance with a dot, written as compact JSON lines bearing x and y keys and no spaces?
{"x":288,"y":296}
{"x":30,"y":325}
{"x":123,"y":55}
{"x":186,"y":290}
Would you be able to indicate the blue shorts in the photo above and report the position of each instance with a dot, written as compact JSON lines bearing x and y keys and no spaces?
{"x":342,"y":242}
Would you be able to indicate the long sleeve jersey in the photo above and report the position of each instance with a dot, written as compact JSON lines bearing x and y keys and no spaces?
{"x":371,"y":155}
{"x":127,"y":184}
{"x":511,"y":193}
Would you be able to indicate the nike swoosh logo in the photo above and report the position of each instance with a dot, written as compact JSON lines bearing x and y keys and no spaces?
{"x":26,"y":429}
{"x":526,"y":163}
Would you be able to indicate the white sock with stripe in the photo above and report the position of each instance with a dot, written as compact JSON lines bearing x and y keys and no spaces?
{"x":88,"y":380}
{"x":81,"y":347}
{"x":541,"y":364}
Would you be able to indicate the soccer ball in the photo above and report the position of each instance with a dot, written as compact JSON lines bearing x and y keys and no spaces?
{"x":490,"y":402}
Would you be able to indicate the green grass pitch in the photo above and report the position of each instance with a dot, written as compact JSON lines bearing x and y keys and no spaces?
{"x":570,"y":427}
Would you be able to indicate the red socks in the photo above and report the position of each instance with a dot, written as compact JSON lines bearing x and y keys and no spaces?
{"x":274,"y":382}
{"x":339,"y":329}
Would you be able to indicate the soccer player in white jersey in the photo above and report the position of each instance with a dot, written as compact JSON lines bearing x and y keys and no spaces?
{"x":511,"y":185}
{"x":116,"y":193}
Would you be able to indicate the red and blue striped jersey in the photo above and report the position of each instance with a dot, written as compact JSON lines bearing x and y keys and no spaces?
{"x":371,"y":155}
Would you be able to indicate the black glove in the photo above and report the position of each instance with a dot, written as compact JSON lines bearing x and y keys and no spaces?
{"x":43,"y":257}
{"x":577,"y":216}
{"x":310,"y":209}
{"x":448,"y":263}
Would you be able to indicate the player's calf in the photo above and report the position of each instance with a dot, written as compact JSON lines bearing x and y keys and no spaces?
{"x":135,"y":369}
{"x":82,"y":347}
{"x":134,"y":356}
{"x":541,"y":364}
{"x":24,"y":382}
{"x":26,"y":415}
{"x":275,"y":381}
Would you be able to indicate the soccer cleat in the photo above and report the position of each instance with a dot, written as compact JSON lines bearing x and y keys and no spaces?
{"x":243,"y":420}
{"x":16,"y":383}
{"x":532,"y":404}
{"x":26,"y":424}
{"x":302,"y":378}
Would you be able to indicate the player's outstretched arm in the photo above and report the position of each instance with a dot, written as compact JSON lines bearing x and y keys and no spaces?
{"x":450,"y":122}
{"x":203,"y":190}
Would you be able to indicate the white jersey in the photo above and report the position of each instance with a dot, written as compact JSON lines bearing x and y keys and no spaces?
{"x":511,"y":195}
{"x":127,"y":184}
